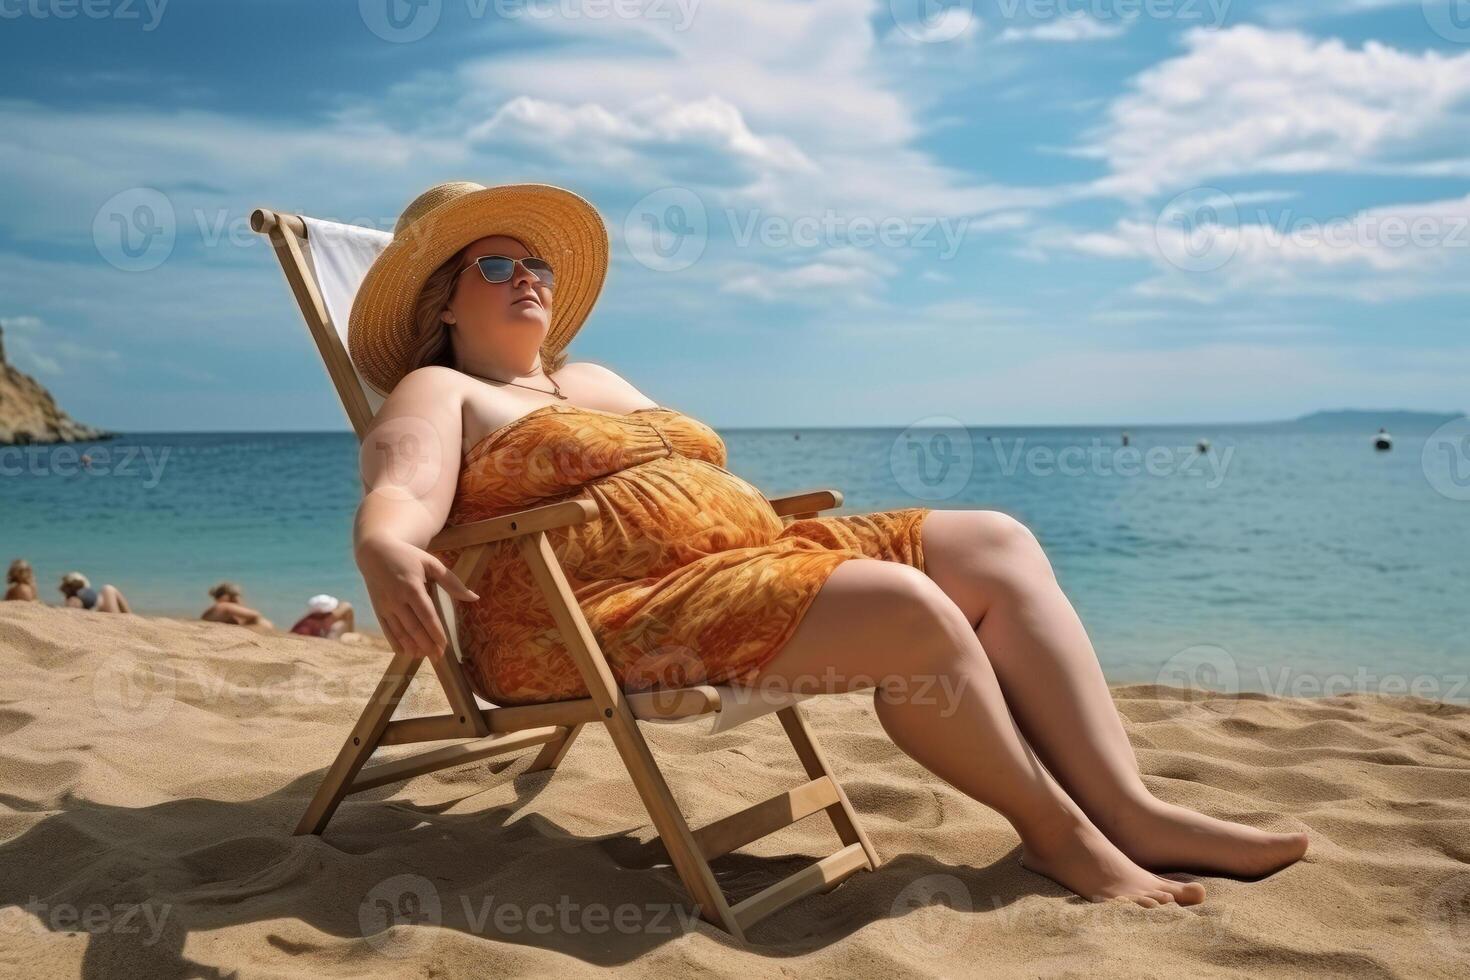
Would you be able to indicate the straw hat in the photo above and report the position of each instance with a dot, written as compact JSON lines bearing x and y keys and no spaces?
{"x":551,"y":221}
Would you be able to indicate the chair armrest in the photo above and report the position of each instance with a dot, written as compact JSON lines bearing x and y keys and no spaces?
{"x":515,"y":524}
{"x":806,"y":502}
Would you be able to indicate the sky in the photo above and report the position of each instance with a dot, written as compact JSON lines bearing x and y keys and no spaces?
{"x":823,"y":212}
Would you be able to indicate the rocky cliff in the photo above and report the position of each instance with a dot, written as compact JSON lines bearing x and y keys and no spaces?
{"x":28,"y":413}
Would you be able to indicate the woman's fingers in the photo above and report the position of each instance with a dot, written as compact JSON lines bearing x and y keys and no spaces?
{"x":423,"y":607}
{"x":393,"y":633}
{"x":418,"y":638}
{"x":450,"y":582}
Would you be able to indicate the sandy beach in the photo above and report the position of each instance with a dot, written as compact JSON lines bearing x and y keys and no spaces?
{"x":146,"y":832}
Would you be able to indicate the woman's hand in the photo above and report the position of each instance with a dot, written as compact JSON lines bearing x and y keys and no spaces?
{"x":397,"y":575}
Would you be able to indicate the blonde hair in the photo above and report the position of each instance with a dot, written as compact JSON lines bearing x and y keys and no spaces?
{"x":20,"y":573}
{"x":430,"y":344}
{"x":73,"y":581}
{"x":224,"y":589}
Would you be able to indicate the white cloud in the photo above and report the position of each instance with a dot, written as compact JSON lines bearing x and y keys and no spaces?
{"x":802,"y":95}
{"x":1002,"y":221}
{"x":1078,"y":27}
{"x":200,"y":159}
{"x":845,"y":274}
{"x":26,"y":348}
{"x":1374,"y":255}
{"x":952,"y":24}
{"x":1251,"y":100}
{"x":710,"y":127}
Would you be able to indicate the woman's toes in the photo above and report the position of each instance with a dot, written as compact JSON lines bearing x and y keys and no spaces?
{"x":1188,"y":893}
{"x":1145,"y":901}
{"x":1163,"y":898}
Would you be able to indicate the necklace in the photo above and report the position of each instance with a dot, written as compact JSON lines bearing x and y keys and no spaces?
{"x":548,"y":377}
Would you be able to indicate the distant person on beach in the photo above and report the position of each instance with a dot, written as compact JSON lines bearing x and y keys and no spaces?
{"x":20,"y":582}
{"x":327,"y":617}
{"x":80,"y":595}
{"x":228,"y":607}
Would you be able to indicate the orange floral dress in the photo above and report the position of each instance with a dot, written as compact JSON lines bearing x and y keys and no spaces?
{"x":688,"y":576}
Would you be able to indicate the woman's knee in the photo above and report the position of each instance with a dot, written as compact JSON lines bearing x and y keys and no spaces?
{"x":874,"y":617}
{"x":1002,"y":551}
{"x":900,"y":597}
{"x":915,"y":625}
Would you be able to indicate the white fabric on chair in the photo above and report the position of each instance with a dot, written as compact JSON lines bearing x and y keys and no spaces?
{"x":737,"y":706}
{"x":339,"y":256}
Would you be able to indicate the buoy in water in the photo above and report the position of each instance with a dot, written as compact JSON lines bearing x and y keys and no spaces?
{"x":1383,"y":442}
{"x":1203,"y":446}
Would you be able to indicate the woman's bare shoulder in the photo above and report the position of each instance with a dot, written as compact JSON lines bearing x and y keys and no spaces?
{"x":432,"y":376}
{"x":426,"y":387}
{"x":602,"y":380}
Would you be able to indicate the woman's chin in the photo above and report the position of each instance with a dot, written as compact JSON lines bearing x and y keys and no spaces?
{"x":529,"y":316}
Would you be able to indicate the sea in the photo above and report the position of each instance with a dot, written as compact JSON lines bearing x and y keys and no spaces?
{"x":1290,"y":558}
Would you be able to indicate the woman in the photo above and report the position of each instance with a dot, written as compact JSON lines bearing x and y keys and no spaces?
{"x":689,"y":576}
{"x":229,"y":607}
{"x":79,"y":594}
{"x":20,"y":582}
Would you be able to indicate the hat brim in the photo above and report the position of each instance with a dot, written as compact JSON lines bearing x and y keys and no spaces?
{"x":552,"y":222}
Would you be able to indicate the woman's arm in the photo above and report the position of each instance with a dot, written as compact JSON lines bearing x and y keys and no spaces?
{"x":410,"y":468}
{"x":243,"y":615}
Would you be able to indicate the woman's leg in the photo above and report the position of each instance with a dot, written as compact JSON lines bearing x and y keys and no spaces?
{"x":994,"y":570}
{"x":885,"y":624}
{"x":110,"y":599}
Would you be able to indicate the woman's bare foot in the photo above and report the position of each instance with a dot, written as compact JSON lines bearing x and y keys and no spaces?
{"x":1076,"y":855}
{"x":1166,"y":837}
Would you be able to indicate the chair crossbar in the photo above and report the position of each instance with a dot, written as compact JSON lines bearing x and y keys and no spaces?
{"x":686,"y":702}
{"x":821,"y":875}
{"x":765,"y":818}
{"x":451,"y":755}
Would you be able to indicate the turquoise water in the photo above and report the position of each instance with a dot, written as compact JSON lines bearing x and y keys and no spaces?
{"x":1281,"y":559}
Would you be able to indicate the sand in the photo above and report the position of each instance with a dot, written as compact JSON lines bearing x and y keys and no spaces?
{"x":147,"y":834}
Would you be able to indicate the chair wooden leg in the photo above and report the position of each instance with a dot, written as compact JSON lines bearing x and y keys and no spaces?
{"x":814,"y":761}
{"x":668,"y":819}
{"x":359,"y":745}
{"x":552,"y":753}
{"x":612,"y":705}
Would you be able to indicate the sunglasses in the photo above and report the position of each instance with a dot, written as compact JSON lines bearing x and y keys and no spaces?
{"x":499,"y":268}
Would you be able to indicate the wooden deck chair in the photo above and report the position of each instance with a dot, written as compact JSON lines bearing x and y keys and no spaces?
{"x":324,"y":263}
